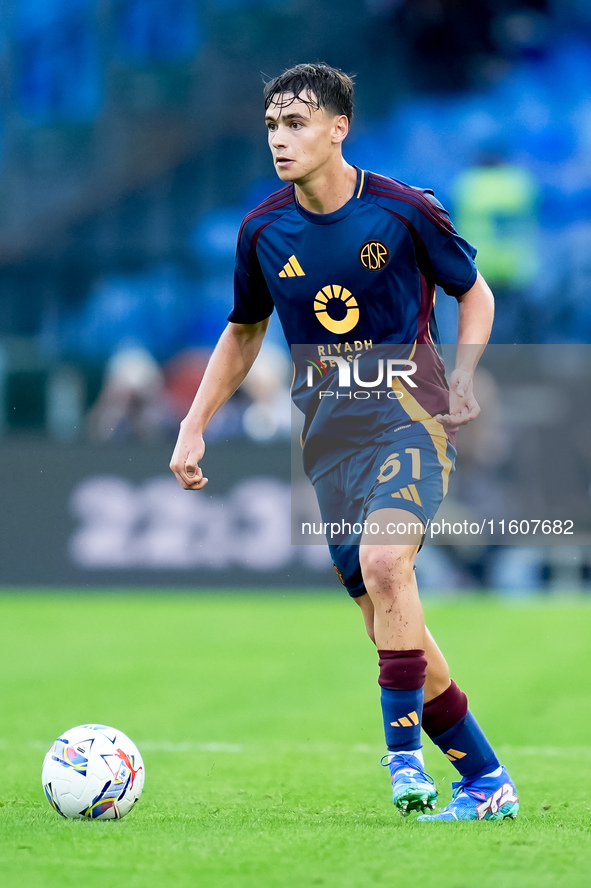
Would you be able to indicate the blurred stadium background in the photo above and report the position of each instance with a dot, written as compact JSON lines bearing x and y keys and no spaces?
{"x":131,"y":144}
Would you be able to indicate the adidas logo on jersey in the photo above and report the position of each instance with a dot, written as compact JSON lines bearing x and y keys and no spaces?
{"x":292,"y":268}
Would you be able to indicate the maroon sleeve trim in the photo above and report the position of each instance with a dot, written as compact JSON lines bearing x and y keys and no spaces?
{"x":274,"y":202}
{"x":386,"y":188}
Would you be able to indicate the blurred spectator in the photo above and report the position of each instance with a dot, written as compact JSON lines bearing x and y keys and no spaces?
{"x":496,"y":208}
{"x":183,"y":375}
{"x":260,"y":409}
{"x":268,"y":417}
{"x":132,"y":403}
{"x":484,"y":450}
{"x":182,"y":378}
{"x":566,"y":270}
{"x":481,"y":488}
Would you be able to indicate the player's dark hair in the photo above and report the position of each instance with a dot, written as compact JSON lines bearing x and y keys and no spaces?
{"x":317,"y":85}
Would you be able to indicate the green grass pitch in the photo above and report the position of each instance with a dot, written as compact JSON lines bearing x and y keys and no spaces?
{"x":259,"y":724}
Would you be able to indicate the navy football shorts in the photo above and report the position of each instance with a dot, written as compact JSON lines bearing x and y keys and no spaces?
{"x":411,"y":475}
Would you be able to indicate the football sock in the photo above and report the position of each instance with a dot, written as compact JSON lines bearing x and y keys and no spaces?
{"x":452,"y":727}
{"x":402,"y":677}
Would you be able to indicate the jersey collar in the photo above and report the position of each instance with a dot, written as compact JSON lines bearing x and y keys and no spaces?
{"x":329,"y":218}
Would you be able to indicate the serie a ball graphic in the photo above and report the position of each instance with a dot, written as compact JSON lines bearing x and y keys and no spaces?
{"x":94,"y":772}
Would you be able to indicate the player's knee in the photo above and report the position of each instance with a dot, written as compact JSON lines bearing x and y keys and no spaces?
{"x":387,"y":569}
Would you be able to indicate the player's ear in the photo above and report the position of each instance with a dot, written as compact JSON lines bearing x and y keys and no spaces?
{"x":340,"y":128}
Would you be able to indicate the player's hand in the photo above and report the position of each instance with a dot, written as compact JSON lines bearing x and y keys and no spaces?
{"x":463,"y":406}
{"x":188,"y":452}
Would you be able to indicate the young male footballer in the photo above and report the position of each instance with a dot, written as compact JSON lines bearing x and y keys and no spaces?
{"x":350,"y":260}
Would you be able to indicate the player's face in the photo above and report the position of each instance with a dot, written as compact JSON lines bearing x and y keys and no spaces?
{"x":302,"y":138}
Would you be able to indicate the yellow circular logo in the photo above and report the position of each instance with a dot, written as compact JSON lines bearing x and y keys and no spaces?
{"x":373,"y":255}
{"x":343,"y":300}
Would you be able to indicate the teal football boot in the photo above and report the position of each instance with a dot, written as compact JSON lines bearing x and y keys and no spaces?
{"x":485,"y":798}
{"x":412,"y":788}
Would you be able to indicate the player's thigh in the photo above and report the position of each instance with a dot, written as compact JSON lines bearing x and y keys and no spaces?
{"x":398,"y":529}
{"x":341,"y":508}
{"x":408,"y":480}
{"x":411,"y":476}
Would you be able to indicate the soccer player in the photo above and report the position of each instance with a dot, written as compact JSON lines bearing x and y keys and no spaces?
{"x":350,"y":260}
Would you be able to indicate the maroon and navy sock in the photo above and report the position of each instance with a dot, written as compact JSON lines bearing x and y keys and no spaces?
{"x":402,"y":677}
{"x":452,"y":727}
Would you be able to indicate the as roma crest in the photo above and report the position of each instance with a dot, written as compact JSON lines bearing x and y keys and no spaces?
{"x":373,"y":255}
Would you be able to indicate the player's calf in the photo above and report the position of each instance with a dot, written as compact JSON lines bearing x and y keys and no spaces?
{"x":402,"y":676}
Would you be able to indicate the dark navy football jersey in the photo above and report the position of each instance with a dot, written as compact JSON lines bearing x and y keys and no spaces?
{"x":344,"y":283}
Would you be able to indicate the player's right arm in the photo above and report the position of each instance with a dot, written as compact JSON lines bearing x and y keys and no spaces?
{"x":228,"y":366}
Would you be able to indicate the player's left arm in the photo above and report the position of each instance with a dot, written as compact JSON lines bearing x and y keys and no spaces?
{"x":475,"y":318}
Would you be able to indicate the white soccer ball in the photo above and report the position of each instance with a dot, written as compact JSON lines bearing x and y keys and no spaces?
{"x":94,"y":772}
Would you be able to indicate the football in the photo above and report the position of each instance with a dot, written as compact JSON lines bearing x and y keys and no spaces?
{"x":93,"y":772}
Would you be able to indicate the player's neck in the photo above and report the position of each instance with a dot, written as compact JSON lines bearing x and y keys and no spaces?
{"x":328,"y":189}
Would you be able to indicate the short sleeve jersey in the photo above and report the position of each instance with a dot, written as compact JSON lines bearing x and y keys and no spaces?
{"x":346,"y":281}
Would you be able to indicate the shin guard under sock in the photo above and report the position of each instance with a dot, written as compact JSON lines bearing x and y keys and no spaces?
{"x":402,"y":677}
{"x":451,"y":726}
